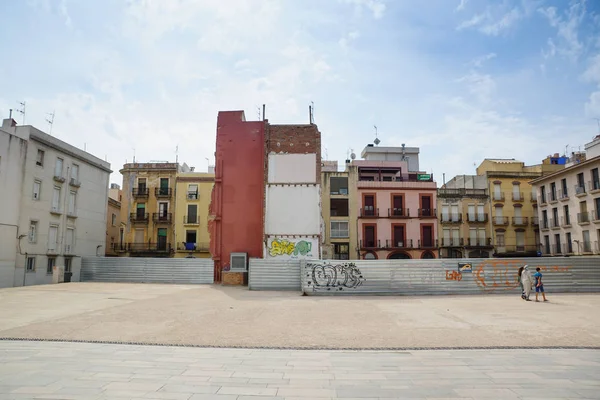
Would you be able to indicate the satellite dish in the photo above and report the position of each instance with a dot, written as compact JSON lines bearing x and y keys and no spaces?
{"x":353,"y":156}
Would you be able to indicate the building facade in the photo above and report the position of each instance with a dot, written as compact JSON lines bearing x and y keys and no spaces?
{"x":513,"y":205}
{"x":114,"y":229}
{"x":147,"y":209}
{"x":464,"y":220}
{"x":569,"y":206}
{"x":54,"y":208}
{"x":192,"y":201}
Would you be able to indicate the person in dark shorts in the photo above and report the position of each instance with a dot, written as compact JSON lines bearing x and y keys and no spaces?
{"x":539,"y":285}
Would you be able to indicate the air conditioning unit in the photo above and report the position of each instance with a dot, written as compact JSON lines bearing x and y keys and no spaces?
{"x":238,"y":261}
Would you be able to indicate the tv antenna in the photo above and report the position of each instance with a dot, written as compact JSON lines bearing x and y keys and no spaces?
{"x":376,"y":141}
{"x":326,"y":154}
{"x":177,"y":154}
{"x":258,"y":112}
{"x":312,"y":112}
{"x":598,"y":121}
{"x":22,"y":111}
{"x":50,"y":121}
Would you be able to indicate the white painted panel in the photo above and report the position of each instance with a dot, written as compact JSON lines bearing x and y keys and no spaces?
{"x":293,"y":210}
{"x":286,"y":248}
{"x":292,"y":168}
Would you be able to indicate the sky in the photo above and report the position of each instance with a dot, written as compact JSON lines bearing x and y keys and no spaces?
{"x":463,"y":80}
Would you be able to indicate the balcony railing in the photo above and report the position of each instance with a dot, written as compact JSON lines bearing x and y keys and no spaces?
{"x":367,"y":212}
{"x":59,"y":178}
{"x":595,"y":214}
{"x":554,"y":223}
{"x":370,"y":244}
{"x":534,"y":198}
{"x":69,"y":249}
{"x":427,"y":213}
{"x":399,"y":244}
{"x":192,"y":195}
{"x":75,"y":183}
{"x":563,"y":195}
{"x":138,"y":218}
{"x":520,"y":221}
{"x":191,"y":220}
{"x":518,"y":197}
{"x":452,"y":242}
{"x":565,"y":222}
{"x":500,"y":221}
{"x":535,"y":221}
{"x":162,"y":218}
{"x":594,"y":185}
{"x":148,"y":247}
{"x":399,"y":212}
{"x":580,"y":189}
{"x":516,"y":249}
{"x":498,"y":196}
{"x":552,"y":196}
{"x":197,"y":247}
{"x":454,"y":218}
{"x":586,"y":247}
{"x":140,"y":191}
{"x":557,"y":248}
{"x":479,"y":242}
{"x":583,"y":218}
{"x":427,"y":244}
{"x":163,"y":192}
{"x":459,"y":193}
{"x":477,"y":218}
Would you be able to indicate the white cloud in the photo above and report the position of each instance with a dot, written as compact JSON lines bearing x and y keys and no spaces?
{"x":495,"y":20}
{"x":479,"y":61}
{"x":65,"y":13}
{"x":592,"y":73}
{"x":482,"y":86}
{"x":567,"y":42}
{"x":506,"y":21}
{"x":377,"y":7}
{"x":462,"y":5}
{"x":592,"y":107}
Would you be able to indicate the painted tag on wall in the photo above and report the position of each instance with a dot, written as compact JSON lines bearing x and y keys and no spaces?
{"x":465,"y":267}
{"x":287,"y":248}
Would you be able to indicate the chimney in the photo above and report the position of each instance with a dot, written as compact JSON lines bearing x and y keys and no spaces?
{"x":9,"y":123}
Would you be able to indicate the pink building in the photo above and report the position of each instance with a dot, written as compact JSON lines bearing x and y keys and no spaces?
{"x":397,"y":216}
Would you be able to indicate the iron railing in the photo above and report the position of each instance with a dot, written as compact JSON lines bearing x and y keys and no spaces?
{"x":148,"y":247}
{"x":534,"y":198}
{"x":162,"y":218}
{"x":140,"y":191}
{"x":370,"y":244}
{"x":427,"y":213}
{"x":554,"y":223}
{"x":535,"y":221}
{"x":583,"y":217}
{"x":192,"y":195}
{"x":557,"y":248}
{"x":163,"y":192}
{"x":500,"y":221}
{"x":594,"y":185}
{"x":498,"y":196}
{"x":367,"y":212}
{"x":398,"y":212}
{"x":552,"y":196}
{"x":452,"y":218}
{"x":580,"y":189}
{"x":563,"y":195}
{"x":198,"y":247}
{"x":452,"y":242}
{"x":139,"y":218}
{"x":458,"y":193}
{"x":518,"y":196}
{"x":479,"y":242}
{"x":475,"y":218}
{"x":520,"y":221}
{"x":427,"y":244}
{"x":399,"y":244}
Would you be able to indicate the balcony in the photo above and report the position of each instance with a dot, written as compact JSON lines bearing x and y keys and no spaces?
{"x":427,"y":244}
{"x":138,"y":218}
{"x":580,"y":190}
{"x":149,"y":248}
{"x":427,"y":213}
{"x":193,"y":247}
{"x":72,"y":214}
{"x":460,"y":193}
{"x":557,"y":249}
{"x":368,"y":212}
{"x":586,"y":247}
{"x":163,"y":193}
{"x":500,"y":221}
{"x":545,"y":224}
{"x":191,"y":220}
{"x":535,"y":221}
{"x":543,"y":200}
{"x":595,"y":214}
{"x":520,"y":221}
{"x":517,"y":249}
{"x":518,"y":197}
{"x":398,"y":213}
{"x":140,"y":192}
{"x":554,"y":224}
{"x":69,"y":250}
{"x":119,"y":247}
{"x":192,"y":195}
{"x":400,"y":244}
{"x":452,"y":242}
{"x":498,"y":196}
{"x":534,"y":197}
{"x":565,"y":222}
{"x":162,"y":218}
{"x":55,"y":210}
{"x":74,"y":182}
{"x":563,"y":195}
{"x":59,"y":178}
{"x":370,"y":244}
{"x":552,"y":197}
{"x":479,"y":242}
{"x":448,"y":219}
{"x":583,"y":218}
{"x":477,"y":218}
{"x":594,"y":186}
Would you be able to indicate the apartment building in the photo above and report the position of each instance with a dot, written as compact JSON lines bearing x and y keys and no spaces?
{"x":397,"y":216}
{"x":464,"y":223}
{"x":569,"y":206}
{"x":53,"y":208}
{"x":513,"y":204}
{"x":114,"y":228}
{"x":148,"y":209}
{"x":192,"y":201}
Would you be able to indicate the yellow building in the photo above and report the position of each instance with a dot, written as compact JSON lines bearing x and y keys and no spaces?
{"x":148,"y":209}
{"x":513,"y":205}
{"x":192,"y":200}
{"x":463,"y":225}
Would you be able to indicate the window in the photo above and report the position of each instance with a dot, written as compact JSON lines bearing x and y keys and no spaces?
{"x":58,"y":168}
{"x":497,"y":191}
{"x":545,"y":219}
{"x":37,"y":189}
{"x":547,"y":244}
{"x":141,"y":185}
{"x":369,"y":205}
{"x":33,"y":227}
{"x":114,"y":220}
{"x":192,"y":192}
{"x":587,"y":245}
{"x":553,"y":191}
{"x":68,"y":264}
{"x":164,"y":186}
{"x":595,"y":179}
{"x":398,"y":206}
{"x":565,"y":191}
{"x":481,"y":236}
{"x":555,"y":216}
{"x":339,"y":229}
{"x":569,"y":243}
{"x":500,"y":239}
{"x":517,"y":192}
{"x":141,"y":211}
{"x":50,"y":265}
{"x":52,"y":237}
{"x":30,"y":264}
{"x":369,"y":236}
{"x":192,"y":214}
{"x":70,"y":241}
{"x":339,"y":208}
{"x":72,"y":203}
{"x":341,"y":251}
{"x":543,"y":194}
{"x":398,"y":236}
{"x":75,"y":172}
{"x":39,"y":159}
{"x":472,"y":237}
{"x":580,"y":188}
{"x":190,"y":236}
{"x":557,"y":247}
{"x":520,"y":240}
{"x":567,"y":220}
{"x":338,"y":185}
{"x":56,"y":199}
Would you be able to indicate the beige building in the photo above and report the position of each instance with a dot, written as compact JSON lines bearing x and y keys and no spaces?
{"x":114,"y":228}
{"x":569,"y":206}
{"x":192,"y":200}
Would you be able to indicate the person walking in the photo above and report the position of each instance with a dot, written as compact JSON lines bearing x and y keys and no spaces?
{"x":519,"y":273}
{"x":527,"y":282}
{"x":539,"y":285}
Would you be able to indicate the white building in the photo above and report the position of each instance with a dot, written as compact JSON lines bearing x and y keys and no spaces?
{"x":53,"y":206}
{"x":569,"y":206}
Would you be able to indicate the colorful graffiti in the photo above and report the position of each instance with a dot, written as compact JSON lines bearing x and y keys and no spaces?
{"x":503,"y":274}
{"x":282,"y":247}
{"x":453,"y":276}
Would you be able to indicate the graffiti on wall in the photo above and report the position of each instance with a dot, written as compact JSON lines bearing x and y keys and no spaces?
{"x":453,"y":275}
{"x":325,"y":276}
{"x":284,"y":247}
{"x":491,"y":275}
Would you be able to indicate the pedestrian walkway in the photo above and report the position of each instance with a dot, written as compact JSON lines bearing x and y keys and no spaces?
{"x":58,"y":370}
